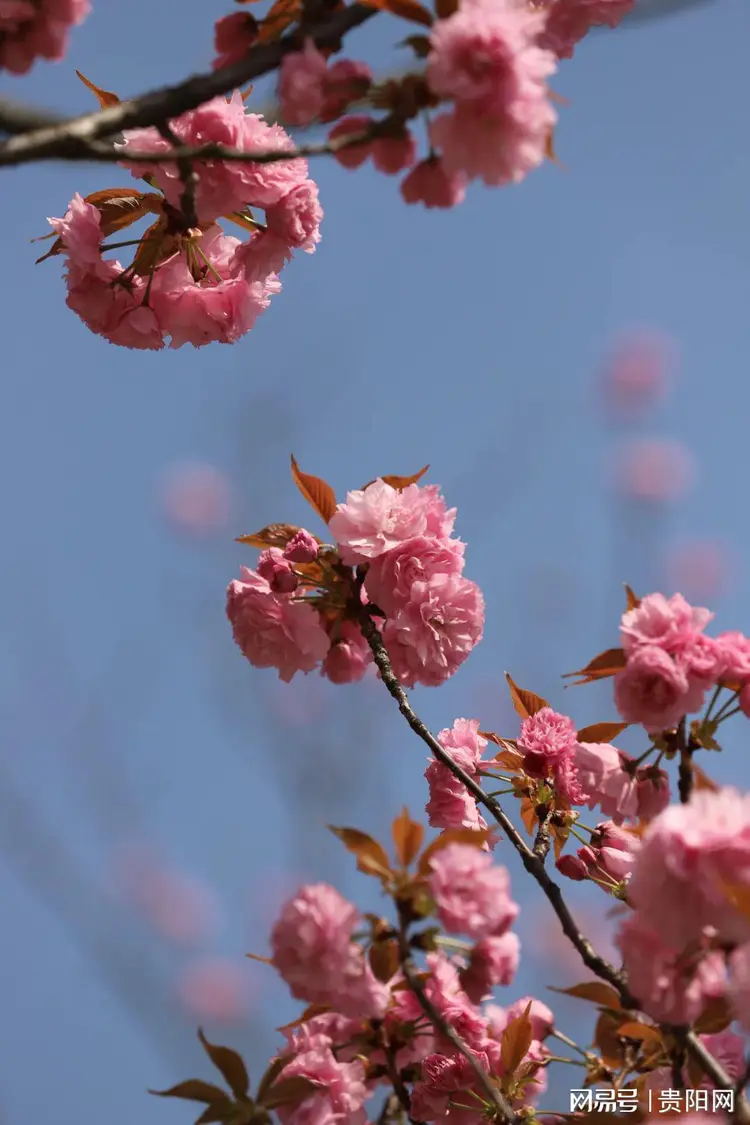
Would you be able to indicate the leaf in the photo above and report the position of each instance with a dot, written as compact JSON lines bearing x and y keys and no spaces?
{"x":601,"y":732}
{"x":560,"y":836}
{"x":406,"y":9}
{"x":383,"y":958}
{"x":309,"y":1013}
{"x":633,"y":601}
{"x":525,"y":702}
{"x":105,"y":97}
{"x":605,"y":664}
{"x":404,"y":482}
{"x":121,"y":207}
{"x":280,"y":15}
{"x":274,"y":535}
{"x":739,"y":896}
{"x":607,"y":1039}
{"x":475,"y":836}
{"x":701,"y":780}
{"x":420,"y":45}
{"x":596,"y":991}
{"x":528,"y":815}
{"x":407,"y":837}
{"x":445,"y":8}
{"x":290,"y":1091}
{"x":231,"y":1114}
{"x":371,"y":856}
{"x":257,"y":957}
{"x":716,"y":1016}
{"x":317,"y":493}
{"x":274,"y":1068}
{"x":230,"y":1066}
{"x":194,"y":1090}
{"x":515,"y":1042}
{"x":155,"y":247}
{"x":634,"y":1029}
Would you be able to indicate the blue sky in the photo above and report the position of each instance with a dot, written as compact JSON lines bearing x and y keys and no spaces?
{"x":470,"y":340}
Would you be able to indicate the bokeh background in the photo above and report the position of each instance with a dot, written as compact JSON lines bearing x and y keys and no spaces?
{"x":570,"y":356}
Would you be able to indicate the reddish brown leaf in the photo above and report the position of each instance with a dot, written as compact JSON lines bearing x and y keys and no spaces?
{"x":275,"y":1068}
{"x":596,"y":991}
{"x":309,"y":1013}
{"x":230,"y":1066}
{"x":701,"y":780}
{"x":317,"y":493}
{"x":105,"y":97}
{"x":605,"y":664}
{"x":445,"y":8}
{"x":155,"y":247}
{"x":715,"y":1017}
{"x":407,"y":837}
{"x":528,"y":815}
{"x":515,"y":1042}
{"x":607,"y":1039}
{"x":601,"y":732}
{"x":121,"y":207}
{"x":475,"y":836}
{"x":633,"y":601}
{"x":290,"y":1091}
{"x":420,"y":45}
{"x":407,"y":9}
{"x":246,"y":93}
{"x":404,"y":482}
{"x":280,"y":15}
{"x":559,"y":838}
{"x":383,"y":958}
{"x":194,"y":1090}
{"x":739,"y":896}
{"x":371,"y":856}
{"x":634,"y":1029}
{"x":257,"y":957}
{"x":275,"y":535}
{"x":525,"y":702}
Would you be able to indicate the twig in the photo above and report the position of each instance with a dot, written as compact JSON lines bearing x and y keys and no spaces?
{"x":187,"y":175}
{"x":543,"y":839}
{"x":66,"y":138}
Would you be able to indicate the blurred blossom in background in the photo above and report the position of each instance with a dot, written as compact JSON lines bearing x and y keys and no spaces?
{"x":195,"y":499}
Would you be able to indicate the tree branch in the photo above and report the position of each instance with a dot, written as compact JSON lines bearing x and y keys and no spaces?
{"x":68,"y":138}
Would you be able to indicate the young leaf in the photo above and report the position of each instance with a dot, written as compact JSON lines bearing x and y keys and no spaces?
{"x":317,"y":493}
{"x":105,"y":97}
{"x":701,"y":780}
{"x":257,"y":957}
{"x":407,"y":837}
{"x":384,"y":960}
{"x":275,"y":535}
{"x":404,"y":482}
{"x":604,"y":665}
{"x":475,"y":836}
{"x":596,"y":991}
{"x":601,"y":732}
{"x":528,"y":815}
{"x":230,"y":1066}
{"x":445,"y":8}
{"x":309,"y":1013}
{"x":526,"y":703}
{"x":739,"y":896}
{"x":633,"y":601}
{"x":420,"y":45}
{"x":274,"y":1069}
{"x":371,"y":856}
{"x":634,"y":1029}
{"x":194,"y":1090}
{"x":716,"y":1016}
{"x":406,"y":9}
{"x":280,"y":15}
{"x":290,"y":1091}
{"x":515,"y":1042}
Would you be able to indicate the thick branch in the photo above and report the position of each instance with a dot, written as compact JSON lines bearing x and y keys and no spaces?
{"x":65,"y":139}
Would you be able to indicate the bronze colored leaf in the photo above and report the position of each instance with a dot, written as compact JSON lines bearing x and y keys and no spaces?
{"x":525,"y":702}
{"x":596,"y":991}
{"x":276,"y":1066}
{"x":601,"y":732}
{"x":445,"y":8}
{"x":701,"y":780}
{"x":194,"y":1090}
{"x":634,"y":1029}
{"x":105,"y":97}
{"x":155,"y":247}
{"x":229,"y":1064}
{"x":528,"y":815}
{"x":371,"y":856}
{"x":317,"y":493}
{"x":275,"y":535}
{"x":407,"y":9}
{"x":420,"y":45}
{"x":515,"y":1042}
{"x":246,"y":93}
{"x":407,"y":837}
{"x":383,"y":958}
{"x":309,"y":1013}
{"x":633,"y":601}
{"x":280,"y":15}
{"x":475,"y":836}
{"x":404,"y":482}
{"x":290,"y":1091}
{"x":607,"y":1039}
{"x":739,"y":896}
{"x":604,"y":665}
{"x":121,"y":207}
{"x":560,"y":836}
{"x":231,"y":1114}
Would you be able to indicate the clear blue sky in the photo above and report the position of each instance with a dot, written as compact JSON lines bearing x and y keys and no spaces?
{"x":469,"y":340}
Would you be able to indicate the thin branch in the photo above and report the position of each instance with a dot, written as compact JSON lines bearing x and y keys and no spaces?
{"x":65,"y":138}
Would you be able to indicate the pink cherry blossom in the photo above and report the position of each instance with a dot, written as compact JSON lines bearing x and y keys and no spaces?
{"x":351,"y":156}
{"x":277,"y":571}
{"x":380,"y":517}
{"x":668,"y":623}
{"x":393,"y":154}
{"x":688,"y":857}
{"x":451,"y":805}
{"x":669,"y":987}
{"x":233,"y":37}
{"x":548,"y":742}
{"x":32,"y":29}
{"x":212,"y":988}
{"x":652,"y":689}
{"x":638,"y":370}
{"x":568,"y":21}
{"x":301,"y":84}
{"x":652,"y":790}
{"x":349,"y":656}
{"x":430,"y":184}
{"x":601,"y":773}
{"x":272,"y":630}
{"x":391,"y":576}
{"x":302,"y":547}
{"x":342,"y":1094}
{"x":445,"y":1088}
{"x":195,"y":498}
{"x":493,"y":961}
{"x":430,"y":637}
{"x":655,"y":471}
{"x":735,"y":648}
{"x":223,"y":187}
{"x":472,"y":893}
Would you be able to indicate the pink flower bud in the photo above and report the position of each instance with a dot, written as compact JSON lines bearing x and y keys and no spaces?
{"x":277,"y":571}
{"x":302,"y":547}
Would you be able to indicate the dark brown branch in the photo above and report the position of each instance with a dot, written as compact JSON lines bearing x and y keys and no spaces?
{"x":66,"y":138}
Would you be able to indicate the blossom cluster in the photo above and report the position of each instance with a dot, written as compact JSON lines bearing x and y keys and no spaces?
{"x":670,"y":663}
{"x":190,"y":281}
{"x":32,"y":29}
{"x":393,"y":554}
